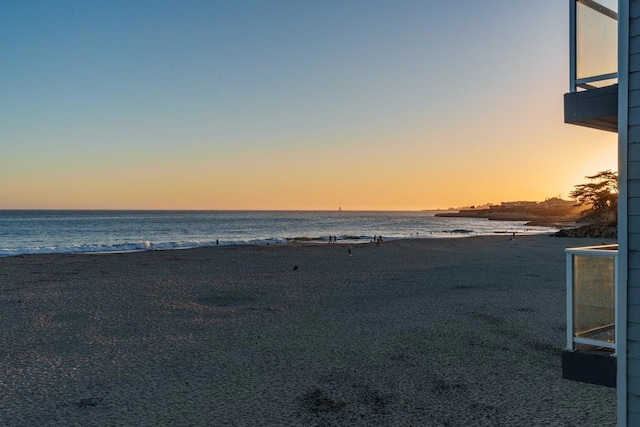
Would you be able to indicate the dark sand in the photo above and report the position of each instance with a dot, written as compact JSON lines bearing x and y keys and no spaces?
{"x":457,"y":332}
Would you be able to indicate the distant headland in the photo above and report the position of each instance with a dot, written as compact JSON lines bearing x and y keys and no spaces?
{"x":551,"y":212}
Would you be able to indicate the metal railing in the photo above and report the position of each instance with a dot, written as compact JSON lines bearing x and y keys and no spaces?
{"x":593,"y":46}
{"x":591,"y":296}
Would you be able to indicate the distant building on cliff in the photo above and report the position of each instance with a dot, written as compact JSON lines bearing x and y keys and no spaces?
{"x":554,"y":203}
{"x":516,"y":205}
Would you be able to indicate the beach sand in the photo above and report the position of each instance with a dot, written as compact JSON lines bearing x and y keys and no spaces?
{"x":430,"y":332}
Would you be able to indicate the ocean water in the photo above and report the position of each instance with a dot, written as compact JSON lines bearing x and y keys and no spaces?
{"x":37,"y":232}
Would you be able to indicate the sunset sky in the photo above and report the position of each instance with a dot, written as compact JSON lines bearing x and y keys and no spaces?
{"x":366,"y":104}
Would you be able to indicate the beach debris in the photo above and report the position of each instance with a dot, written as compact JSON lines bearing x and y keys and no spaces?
{"x":89,"y":402}
{"x":319,"y":401}
{"x":228,"y":299}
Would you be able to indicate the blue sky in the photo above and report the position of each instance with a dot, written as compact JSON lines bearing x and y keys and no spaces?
{"x":279,"y":104}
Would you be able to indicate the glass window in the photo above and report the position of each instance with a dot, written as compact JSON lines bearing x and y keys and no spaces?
{"x":596,"y":40}
{"x":594,"y":297}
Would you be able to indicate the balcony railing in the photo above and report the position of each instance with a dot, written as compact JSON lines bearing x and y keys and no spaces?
{"x":591,"y":297}
{"x":593,"y":44}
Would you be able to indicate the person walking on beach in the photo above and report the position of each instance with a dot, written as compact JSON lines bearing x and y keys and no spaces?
{"x":349,"y":250}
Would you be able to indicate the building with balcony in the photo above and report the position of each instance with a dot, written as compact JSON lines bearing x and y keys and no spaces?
{"x":590,"y":355}
{"x":603,"y":283}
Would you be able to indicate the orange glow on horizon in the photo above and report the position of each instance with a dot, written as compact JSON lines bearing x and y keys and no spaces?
{"x":310,"y":179}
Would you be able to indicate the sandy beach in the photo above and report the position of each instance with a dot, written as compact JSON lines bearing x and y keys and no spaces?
{"x":430,"y":332}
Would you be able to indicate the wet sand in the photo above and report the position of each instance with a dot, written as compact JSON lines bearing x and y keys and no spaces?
{"x":455,"y":332}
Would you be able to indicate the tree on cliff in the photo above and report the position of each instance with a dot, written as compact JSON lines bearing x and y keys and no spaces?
{"x":601,"y":192}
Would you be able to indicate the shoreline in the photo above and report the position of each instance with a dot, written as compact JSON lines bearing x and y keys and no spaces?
{"x":530,"y":218}
{"x":170,"y":246}
{"x":120,"y":232}
{"x":457,"y":331}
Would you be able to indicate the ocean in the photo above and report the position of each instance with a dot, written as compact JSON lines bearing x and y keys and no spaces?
{"x":39,"y":231}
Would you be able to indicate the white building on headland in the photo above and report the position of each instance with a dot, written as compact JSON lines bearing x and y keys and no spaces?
{"x":552,"y":203}
{"x":557,"y":202}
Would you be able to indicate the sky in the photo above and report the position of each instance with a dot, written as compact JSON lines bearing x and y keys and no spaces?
{"x":287,"y":105}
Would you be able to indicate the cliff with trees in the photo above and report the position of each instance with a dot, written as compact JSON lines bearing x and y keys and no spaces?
{"x":600,"y":195}
{"x":549,"y":212}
